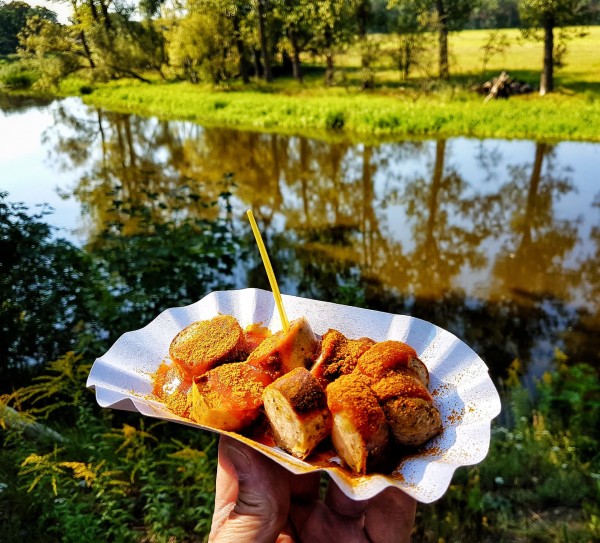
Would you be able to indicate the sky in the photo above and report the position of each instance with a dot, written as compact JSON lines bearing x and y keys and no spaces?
{"x":62,"y":9}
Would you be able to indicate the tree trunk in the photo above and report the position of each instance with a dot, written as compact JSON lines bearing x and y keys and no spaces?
{"x":93,"y":10}
{"x":520,"y":266}
{"x":296,"y":68}
{"x":362,"y":16}
{"x":547,"y":78}
{"x":532,"y":196}
{"x":264,"y":42}
{"x":329,"y":69}
{"x":431,"y":252}
{"x":105,"y":15}
{"x":86,"y":48}
{"x":31,"y":430}
{"x":242,"y":51}
{"x":258,"y":66}
{"x":369,"y":218}
{"x":443,"y":39}
{"x":303,"y":160}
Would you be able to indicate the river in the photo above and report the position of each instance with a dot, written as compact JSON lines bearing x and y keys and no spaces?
{"x":497,"y":241}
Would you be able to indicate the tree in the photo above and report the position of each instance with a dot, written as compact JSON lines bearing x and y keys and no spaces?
{"x":203,"y":44}
{"x":52,"y":48}
{"x":334,"y":28}
{"x":411,"y":31}
{"x":263,"y":9}
{"x":495,"y":14}
{"x":108,"y":41}
{"x":13,"y":19}
{"x":549,"y":15}
{"x":443,"y":16}
{"x":297,"y":17}
{"x":52,"y":293}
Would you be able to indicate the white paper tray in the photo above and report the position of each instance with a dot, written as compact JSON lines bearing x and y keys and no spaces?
{"x":461,"y":386}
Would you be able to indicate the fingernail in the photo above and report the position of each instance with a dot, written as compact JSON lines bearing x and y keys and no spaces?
{"x":240,"y":462}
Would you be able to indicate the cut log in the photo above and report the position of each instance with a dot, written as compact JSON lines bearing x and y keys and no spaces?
{"x":11,"y":418}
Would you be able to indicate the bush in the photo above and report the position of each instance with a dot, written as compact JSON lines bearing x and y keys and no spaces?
{"x":16,"y":76}
{"x":335,"y":120}
{"x":540,"y":478}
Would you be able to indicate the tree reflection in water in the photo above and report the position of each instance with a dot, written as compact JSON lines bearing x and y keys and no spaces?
{"x":396,"y":227}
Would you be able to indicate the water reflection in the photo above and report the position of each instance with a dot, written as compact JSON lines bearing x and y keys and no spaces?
{"x":14,"y":103}
{"x":481,"y":250}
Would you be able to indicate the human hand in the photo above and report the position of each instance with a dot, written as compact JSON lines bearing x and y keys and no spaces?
{"x":258,"y":501}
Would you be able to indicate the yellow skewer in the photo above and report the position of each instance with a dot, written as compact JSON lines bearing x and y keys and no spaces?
{"x":267,"y":263}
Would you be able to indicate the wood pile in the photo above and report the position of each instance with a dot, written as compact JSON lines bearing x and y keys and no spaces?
{"x":502,"y":86}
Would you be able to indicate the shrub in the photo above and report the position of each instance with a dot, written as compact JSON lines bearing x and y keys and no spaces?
{"x":335,"y":120}
{"x":16,"y":76}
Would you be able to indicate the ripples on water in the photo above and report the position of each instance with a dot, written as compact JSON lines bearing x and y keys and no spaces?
{"x":497,"y":241}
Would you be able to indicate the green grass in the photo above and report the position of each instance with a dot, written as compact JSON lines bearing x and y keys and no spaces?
{"x":417,"y":107}
{"x":362,"y":116}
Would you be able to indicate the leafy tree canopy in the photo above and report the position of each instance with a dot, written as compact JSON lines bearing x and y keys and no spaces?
{"x":13,"y":18}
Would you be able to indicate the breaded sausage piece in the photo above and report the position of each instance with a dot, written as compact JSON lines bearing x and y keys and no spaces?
{"x":283,"y":351}
{"x":296,"y":407}
{"x":409,"y":410}
{"x":338,"y":356}
{"x":171,"y":386}
{"x":360,"y":431}
{"x":388,"y":356}
{"x":203,"y":345}
{"x":228,"y":397}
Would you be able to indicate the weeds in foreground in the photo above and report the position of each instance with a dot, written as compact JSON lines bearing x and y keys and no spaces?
{"x":115,"y":477}
{"x":104,"y":476}
{"x":541,"y":478}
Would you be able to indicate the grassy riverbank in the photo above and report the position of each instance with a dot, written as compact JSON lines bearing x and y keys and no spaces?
{"x":416,"y":107}
{"x":361,"y":116}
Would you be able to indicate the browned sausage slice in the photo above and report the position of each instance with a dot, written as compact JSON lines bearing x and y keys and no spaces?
{"x":296,"y":407}
{"x":409,"y":410}
{"x":203,"y":345}
{"x":389,"y":356}
{"x":360,"y":432}
{"x":228,"y":397}
{"x":338,"y":356}
{"x":283,"y":351}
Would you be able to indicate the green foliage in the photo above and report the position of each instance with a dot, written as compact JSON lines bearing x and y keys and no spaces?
{"x":573,"y":392}
{"x":335,"y":120}
{"x":495,"y":14}
{"x":13,"y":19}
{"x":50,"y":294}
{"x":108,"y":477}
{"x":496,"y":44}
{"x":438,"y":16}
{"x":17,"y":76}
{"x":365,"y":116}
{"x":202,"y":46}
{"x":545,"y":461}
{"x":533,"y":13}
{"x":52,"y":49}
{"x":156,"y":263}
{"x":548,"y":15}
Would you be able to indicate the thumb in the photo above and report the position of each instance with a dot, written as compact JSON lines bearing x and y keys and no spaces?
{"x":259,"y":510}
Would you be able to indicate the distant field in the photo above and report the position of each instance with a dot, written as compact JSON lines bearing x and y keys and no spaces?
{"x":522,"y":58}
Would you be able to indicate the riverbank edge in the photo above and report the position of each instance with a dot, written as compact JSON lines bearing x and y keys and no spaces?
{"x":334,"y":114}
